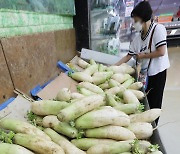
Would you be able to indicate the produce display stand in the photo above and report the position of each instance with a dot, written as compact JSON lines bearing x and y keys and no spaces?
{"x":18,"y":107}
{"x":155,"y":138}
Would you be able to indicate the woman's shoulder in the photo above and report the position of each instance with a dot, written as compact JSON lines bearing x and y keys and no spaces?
{"x":160,"y":26}
{"x":160,"y":29}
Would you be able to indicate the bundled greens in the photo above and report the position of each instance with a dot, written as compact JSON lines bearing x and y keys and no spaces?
{"x":35,"y":119}
{"x":6,"y":137}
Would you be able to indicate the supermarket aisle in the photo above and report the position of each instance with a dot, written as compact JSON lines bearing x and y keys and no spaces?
{"x":170,"y":133}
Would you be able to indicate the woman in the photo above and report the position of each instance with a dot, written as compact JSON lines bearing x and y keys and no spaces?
{"x":150,"y":49}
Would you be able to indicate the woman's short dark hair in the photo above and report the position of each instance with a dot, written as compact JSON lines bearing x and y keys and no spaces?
{"x":143,"y":10}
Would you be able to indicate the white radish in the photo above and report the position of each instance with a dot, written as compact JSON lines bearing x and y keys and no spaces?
{"x":111,"y":100}
{"x":60,"y":127}
{"x":91,"y":69}
{"x":91,"y":87}
{"x":85,"y":92}
{"x":115,"y":90}
{"x":128,"y":82}
{"x":130,"y":98}
{"x":83,"y":63}
{"x":81,"y":76}
{"x":67,"y":146}
{"x":128,"y":108}
{"x":102,"y":68}
{"x":101,"y":77}
{"x":104,"y":86}
{"x":64,"y":95}
{"x":86,"y":143}
{"x":147,"y":116}
{"x":99,"y":80}
{"x":76,"y":95}
{"x":18,"y":126}
{"x":113,"y":83}
{"x":122,"y":69}
{"x":112,"y":132}
{"x":136,"y":86}
{"x":6,"y":148}
{"x":47,"y":107}
{"x":141,"y":130}
{"x":92,"y":62}
{"x":75,"y":100}
{"x":108,"y":75}
{"x":121,"y":77}
{"x":80,"y":107}
{"x":50,"y":121}
{"x":114,"y":148}
{"x":139,"y":94}
{"x":129,"y":69}
{"x":101,"y":117}
{"x":37,"y":144}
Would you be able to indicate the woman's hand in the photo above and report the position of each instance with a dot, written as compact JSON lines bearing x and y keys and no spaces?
{"x":160,"y":51}
{"x":141,"y":56}
{"x":125,"y":59}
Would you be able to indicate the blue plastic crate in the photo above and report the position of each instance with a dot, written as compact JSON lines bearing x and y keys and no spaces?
{"x":64,"y":67}
{"x":37,"y":89}
{"x":6,"y":103}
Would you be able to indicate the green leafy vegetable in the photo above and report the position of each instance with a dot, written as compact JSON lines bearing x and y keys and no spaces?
{"x":34,"y":119}
{"x":135,"y":147}
{"x":72,"y":123}
{"x":140,"y":108}
{"x":118,"y":99}
{"x":6,"y":137}
{"x":81,"y":134}
{"x":153,"y":148}
{"x":70,"y":74}
{"x":78,"y":88}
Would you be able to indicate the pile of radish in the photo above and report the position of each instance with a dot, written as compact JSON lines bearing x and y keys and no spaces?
{"x":104,"y":116}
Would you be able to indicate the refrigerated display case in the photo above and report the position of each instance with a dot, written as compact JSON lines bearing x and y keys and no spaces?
{"x":166,"y":13}
{"x":105,"y":25}
{"x":110,"y":25}
{"x":173,"y":31}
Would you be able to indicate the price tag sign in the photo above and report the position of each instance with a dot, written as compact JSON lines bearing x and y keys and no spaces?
{"x":129,"y":8}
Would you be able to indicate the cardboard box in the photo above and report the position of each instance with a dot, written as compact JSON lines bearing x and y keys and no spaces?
{"x":17,"y":109}
{"x":62,"y":81}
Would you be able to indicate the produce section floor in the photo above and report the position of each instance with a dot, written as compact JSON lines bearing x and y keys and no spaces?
{"x":169,"y":124}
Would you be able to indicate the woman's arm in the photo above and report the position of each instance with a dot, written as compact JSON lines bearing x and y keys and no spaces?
{"x":125,"y":59}
{"x":158,"y":53}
